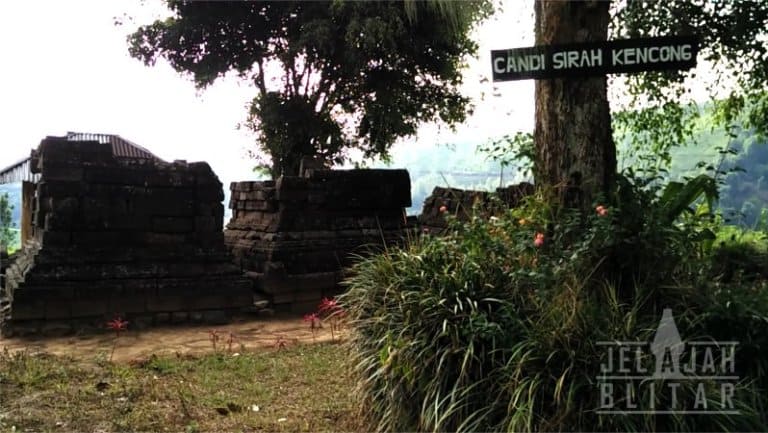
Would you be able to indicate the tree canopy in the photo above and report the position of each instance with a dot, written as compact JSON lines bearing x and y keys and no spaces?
{"x":733,"y":68}
{"x":330,"y":76}
{"x":574,"y":154}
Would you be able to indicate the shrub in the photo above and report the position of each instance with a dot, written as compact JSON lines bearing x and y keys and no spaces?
{"x":496,"y":326}
{"x":740,"y":254}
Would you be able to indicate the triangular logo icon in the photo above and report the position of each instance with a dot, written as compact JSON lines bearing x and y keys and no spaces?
{"x":667,"y":347}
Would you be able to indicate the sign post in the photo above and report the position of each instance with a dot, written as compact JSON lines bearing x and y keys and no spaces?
{"x":595,"y":58}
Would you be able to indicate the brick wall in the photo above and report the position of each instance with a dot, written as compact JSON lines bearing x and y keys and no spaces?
{"x":137,"y":237}
{"x":294,"y":236}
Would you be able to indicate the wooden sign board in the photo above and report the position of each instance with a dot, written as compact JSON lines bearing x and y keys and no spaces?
{"x":595,"y":58}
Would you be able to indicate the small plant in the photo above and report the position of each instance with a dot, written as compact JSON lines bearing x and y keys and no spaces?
{"x":314,"y":323}
{"x":214,"y":337}
{"x":331,"y":312}
{"x":280,"y":343}
{"x":118,"y":325}
{"x":230,"y":341}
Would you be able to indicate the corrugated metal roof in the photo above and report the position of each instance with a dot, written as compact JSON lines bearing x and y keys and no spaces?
{"x":121,"y":147}
{"x":18,"y":172}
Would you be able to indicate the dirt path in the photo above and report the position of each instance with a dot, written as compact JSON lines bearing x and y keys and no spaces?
{"x":188,"y":339}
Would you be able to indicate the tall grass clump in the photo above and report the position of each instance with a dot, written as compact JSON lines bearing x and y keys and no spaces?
{"x":500,"y":324}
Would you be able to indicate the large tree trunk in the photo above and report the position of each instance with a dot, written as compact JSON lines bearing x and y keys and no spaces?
{"x":575,"y":152}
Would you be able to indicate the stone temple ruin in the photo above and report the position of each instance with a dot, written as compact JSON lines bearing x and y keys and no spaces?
{"x":113,"y":229}
{"x":294,"y":236}
{"x":459,"y":202}
{"x":110,"y":229}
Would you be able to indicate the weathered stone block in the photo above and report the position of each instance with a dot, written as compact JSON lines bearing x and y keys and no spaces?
{"x":162,"y":318}
{"x":89,"y":307}
{"x":24,"y":328}
{"x":207,"y":224}
{"x":55,"y":328}
{"x":167,"y":303}
{"x":60,"y":189}
{"x":161,"y":238}
{"x":179,"y":317}
{"x":141,"y":321}
{"x":57,"y":310}
{"x":116,"y":175}
{"x":27,"y":310}
{"x":128,"y":304}
{"x":291,"y":189}
{"x":303,"y":307}
{"x":216,"y":317}
{"x":62,"y":173}
{"x":173,"y":224}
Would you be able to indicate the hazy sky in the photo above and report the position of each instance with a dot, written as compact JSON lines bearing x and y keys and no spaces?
{"x":65,"y":67}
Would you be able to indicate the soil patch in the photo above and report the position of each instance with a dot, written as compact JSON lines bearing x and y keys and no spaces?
{"x":248,"y":333}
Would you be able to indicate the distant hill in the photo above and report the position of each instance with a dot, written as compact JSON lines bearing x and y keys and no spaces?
{"x":743,"y":194}
{"x":455,"y":165}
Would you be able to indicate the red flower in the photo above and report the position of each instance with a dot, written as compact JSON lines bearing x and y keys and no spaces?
{"x":117,"y":324}
{"x":443,"y":209}
{"x":601,"y":210}
{"x":313,"y":319}
{"x":328,"y":304}
{"x":538,"y":239}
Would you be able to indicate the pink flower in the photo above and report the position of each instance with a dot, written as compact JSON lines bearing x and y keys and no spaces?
{"x":313,"y":319}
{"x":601,"y":210}
{"x":443,"y":209}
{"x":117,"y":324}
{"x":328,"y":304}
{"x":538,"y":240}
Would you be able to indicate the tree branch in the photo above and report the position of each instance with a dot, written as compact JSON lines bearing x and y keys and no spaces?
{"x":260,"y":77}
{"x":296,"y":82}
{"x":307,"y":75}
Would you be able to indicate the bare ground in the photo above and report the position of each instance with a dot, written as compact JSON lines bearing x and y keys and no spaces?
{"x":248,"y":333}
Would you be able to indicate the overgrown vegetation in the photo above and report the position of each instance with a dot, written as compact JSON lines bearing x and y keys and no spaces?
{"x":8,"y":234}
{"x":497,"y":326}
{"x":298,"y":388}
